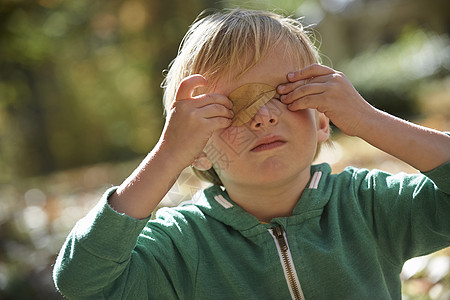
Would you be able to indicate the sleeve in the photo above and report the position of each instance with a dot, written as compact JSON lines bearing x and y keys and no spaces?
{"x":408,"y":214}
{"x":441,"y":177}
{"x":96,"y":252}
{"x":108,"y":255}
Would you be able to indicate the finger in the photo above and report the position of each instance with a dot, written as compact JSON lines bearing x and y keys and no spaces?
{"x":216,"y":110}
{"x":303,"y":91}
{"x":286,"y":88}
{"x":314,"y":70}
{"x":188,"y":85}
{"x":207,"y":99}
{"x":218,"y":123}
{"x":222,"y":122}
{"x":312,"y":102}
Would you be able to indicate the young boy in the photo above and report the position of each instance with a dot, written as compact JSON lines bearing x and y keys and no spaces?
{"x":272,"y":226}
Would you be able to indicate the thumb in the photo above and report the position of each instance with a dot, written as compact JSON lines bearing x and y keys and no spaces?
{"x":188,"y":85}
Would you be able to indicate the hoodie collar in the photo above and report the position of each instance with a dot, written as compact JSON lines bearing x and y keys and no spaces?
{"x":216,"y":203}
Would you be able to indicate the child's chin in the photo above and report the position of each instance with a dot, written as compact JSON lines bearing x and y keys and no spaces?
{"x":273,"y":178}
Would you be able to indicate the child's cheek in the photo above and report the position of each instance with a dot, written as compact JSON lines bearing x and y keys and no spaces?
{"x":306,"y":117}
{"x":238,"y":139}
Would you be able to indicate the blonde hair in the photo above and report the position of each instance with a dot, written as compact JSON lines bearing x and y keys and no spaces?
{"x":229,"y":43}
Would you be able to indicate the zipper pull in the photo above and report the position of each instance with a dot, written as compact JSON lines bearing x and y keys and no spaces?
{"x":278,"y":231}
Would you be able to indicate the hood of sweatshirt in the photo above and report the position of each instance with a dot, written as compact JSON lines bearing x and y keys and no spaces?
{"x":216,"y":203}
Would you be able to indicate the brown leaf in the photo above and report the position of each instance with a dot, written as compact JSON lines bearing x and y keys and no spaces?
{"x":248,"y":99}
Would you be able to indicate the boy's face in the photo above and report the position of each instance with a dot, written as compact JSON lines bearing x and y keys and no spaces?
{"x":277,"y":144}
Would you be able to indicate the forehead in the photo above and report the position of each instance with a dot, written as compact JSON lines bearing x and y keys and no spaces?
{"x":271,"y":70}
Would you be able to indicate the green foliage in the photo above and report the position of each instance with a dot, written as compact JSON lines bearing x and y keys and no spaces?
{"x":79,"y":80}
{"x":389,"y":76}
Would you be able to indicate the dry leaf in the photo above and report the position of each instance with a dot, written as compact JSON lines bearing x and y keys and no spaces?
{"x":248,"y":99}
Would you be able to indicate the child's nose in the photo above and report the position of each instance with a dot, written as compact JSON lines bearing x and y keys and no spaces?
{"x":264,"y":118}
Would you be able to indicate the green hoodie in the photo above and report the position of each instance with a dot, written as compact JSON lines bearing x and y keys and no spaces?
{"x":348,"y":238}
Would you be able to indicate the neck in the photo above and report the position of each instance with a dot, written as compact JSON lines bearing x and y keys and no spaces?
{"x":270,"y":200}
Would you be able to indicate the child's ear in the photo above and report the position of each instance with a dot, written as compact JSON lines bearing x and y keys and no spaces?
{"x":202,"y":162}
{"x":323,"y":128}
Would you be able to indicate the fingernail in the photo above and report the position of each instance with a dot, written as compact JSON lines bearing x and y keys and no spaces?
{"x":291,"y":75}
{"x":283,"y":97}
{"x":281,"y":88}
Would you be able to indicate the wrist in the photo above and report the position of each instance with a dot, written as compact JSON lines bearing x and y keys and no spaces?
{"x":170,"y":157}
{"x":369,"y":120}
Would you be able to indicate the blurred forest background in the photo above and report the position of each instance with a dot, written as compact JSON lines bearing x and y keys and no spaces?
{"x":80,"y":106}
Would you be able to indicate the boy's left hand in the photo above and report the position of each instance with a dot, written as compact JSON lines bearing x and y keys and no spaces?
{"x":328,"y":91}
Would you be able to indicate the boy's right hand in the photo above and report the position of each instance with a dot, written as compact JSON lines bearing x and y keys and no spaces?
{"x":193,"y":119}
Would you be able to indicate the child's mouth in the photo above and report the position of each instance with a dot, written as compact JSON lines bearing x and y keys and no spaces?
{"x":268,"y":146}
{"x":268,"y":143}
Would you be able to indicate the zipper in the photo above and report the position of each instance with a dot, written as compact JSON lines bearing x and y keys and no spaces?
{"x":287,"y":263}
